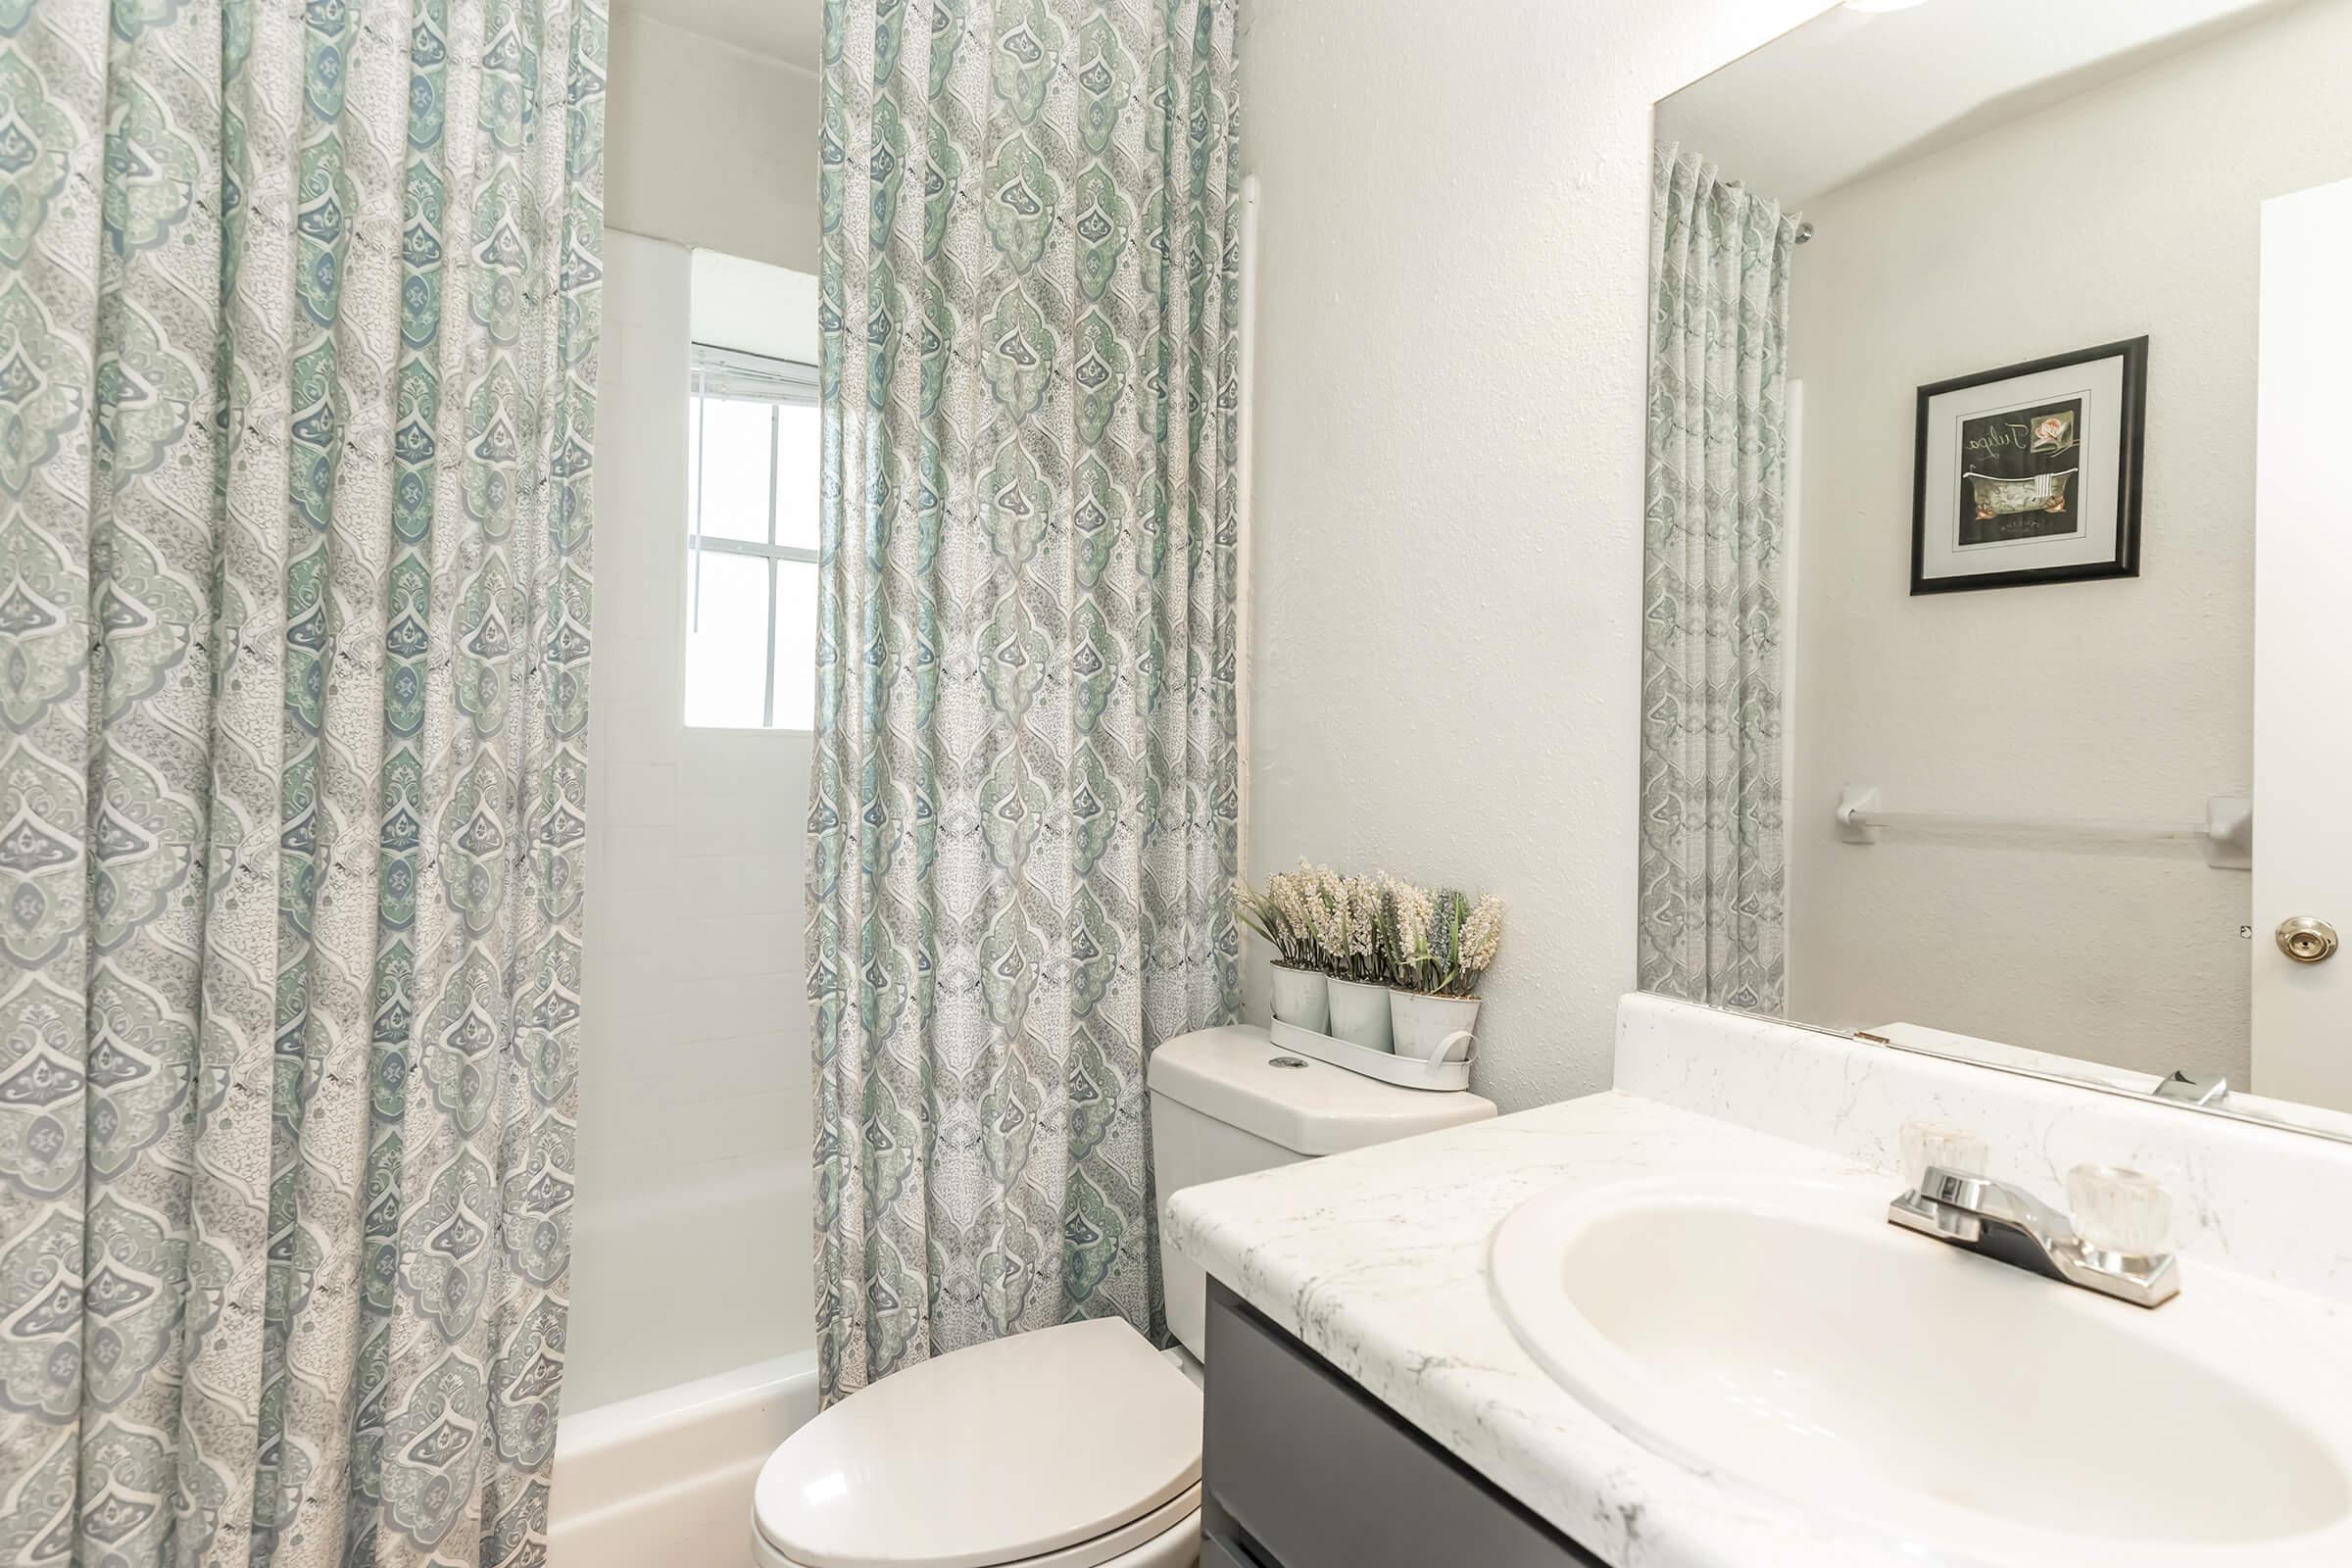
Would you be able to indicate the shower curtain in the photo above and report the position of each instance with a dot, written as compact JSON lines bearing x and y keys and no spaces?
{"x":1023,"y":802}
{"x":297,"y":360}
{"x":1713,"y":865}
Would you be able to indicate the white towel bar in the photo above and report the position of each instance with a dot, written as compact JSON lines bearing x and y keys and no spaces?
{"x":2226,"y":833}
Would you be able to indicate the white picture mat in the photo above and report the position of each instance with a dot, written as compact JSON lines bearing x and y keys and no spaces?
{"x":2099,"y":383}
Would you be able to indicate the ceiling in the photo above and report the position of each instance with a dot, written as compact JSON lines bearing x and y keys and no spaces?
{"x":1851,"y":92}
{"x":779,"y":29}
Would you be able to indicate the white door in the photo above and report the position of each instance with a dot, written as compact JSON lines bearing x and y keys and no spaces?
{"x":2303,"y":648}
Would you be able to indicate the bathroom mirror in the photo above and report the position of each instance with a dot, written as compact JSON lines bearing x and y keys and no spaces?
{"x":2000,"y":358}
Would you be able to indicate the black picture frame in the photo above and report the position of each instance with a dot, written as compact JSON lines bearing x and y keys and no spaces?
{"x":2131,"y":445}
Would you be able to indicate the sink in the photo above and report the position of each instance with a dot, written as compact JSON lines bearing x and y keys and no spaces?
{"x":1777,"y":1334}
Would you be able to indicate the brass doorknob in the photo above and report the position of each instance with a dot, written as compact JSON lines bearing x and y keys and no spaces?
{"x":2306,"y":940}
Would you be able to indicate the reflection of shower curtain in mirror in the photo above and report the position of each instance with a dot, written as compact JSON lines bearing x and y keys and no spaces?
{"x":1714,"y":866}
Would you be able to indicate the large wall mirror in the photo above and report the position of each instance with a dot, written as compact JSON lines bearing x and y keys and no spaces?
{"x":1999,"y":563}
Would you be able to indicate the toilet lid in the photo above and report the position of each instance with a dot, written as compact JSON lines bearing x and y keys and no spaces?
{"x":989,"y":1455}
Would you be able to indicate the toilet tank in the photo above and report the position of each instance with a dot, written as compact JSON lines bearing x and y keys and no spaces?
{"x":1225,"y":1101}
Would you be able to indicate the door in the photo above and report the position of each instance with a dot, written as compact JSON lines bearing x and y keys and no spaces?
{"x":2302,"y":651}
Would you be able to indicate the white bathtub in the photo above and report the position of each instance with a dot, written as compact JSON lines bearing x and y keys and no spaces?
{"x":687,"y":1364}
{"x":665,"y":1478}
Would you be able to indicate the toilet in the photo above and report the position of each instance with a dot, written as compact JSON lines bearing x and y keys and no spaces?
{"x":1079,"y":1445}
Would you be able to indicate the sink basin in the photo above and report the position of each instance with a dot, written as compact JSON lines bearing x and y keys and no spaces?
{"x":1779,"y":1335}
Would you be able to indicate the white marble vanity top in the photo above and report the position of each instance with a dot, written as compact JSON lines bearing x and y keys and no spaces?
{"x":1376,"y":1260}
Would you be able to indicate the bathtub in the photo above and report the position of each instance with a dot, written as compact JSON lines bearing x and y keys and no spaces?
{"x":688,"y":1361}
{"x":665,"y":1478}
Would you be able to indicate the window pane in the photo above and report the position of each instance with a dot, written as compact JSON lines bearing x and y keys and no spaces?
{"x":796,"y":645}
{"x":796,"y":475}
{"x":726,"y":639}
{"x":736,"y":446}
{"x":694,"y":470}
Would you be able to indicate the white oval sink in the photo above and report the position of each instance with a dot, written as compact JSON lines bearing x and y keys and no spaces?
{"x":1781,"y":1334}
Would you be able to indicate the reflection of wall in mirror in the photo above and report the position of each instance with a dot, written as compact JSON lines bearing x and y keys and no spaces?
{"x":2116,"y":699}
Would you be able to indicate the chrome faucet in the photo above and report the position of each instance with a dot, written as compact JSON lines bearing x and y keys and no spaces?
{"x":2011,"y":1225}
{"x":2192,"y":1090}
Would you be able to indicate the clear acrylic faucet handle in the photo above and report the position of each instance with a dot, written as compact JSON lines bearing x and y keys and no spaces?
{"x":2119,"y":1210}
{"x":1934,"y":1143}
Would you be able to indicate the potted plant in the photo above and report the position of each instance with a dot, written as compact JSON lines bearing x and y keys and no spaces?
{"x":1281,"y":919}
{"x":1349,"y":944}
{"x":1434,"y":947}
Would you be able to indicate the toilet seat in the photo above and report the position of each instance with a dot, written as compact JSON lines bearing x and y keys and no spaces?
{"x":1074,"y":1446}
{"x":1167,"y":1538}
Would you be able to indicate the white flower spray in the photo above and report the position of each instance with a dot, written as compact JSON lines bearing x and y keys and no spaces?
{"x":1482,"y":939}
{"x":1363,"y":896}
{"x":1278,"y":918}
{"x":1437,"y":941}
{"x":1378,"y":929}
{"x":1326,"y":908}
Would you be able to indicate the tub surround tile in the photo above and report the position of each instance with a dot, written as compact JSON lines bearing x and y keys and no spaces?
{"x":1377,"y":1259}
{"x":694,"y":1045}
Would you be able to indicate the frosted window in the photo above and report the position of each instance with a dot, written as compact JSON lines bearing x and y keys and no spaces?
{"x":796,"y":477}
{"x":726,"y":643}
{"x":796,"y":645}
{"x":738,"y":438}
{"x":750,"y":543}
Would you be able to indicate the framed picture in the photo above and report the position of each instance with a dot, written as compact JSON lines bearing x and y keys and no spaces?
{"x":2030,"y":473}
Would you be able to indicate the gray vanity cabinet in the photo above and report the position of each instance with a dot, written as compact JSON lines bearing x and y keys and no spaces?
{"x":1303,"y":1469}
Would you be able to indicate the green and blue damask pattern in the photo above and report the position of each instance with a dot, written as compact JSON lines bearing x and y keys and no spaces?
{"x":298,"y":309}
{"x":1022,"y":823}
{"x":1714,"y":863}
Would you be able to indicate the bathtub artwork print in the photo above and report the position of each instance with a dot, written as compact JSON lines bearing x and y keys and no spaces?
{"x":2030,"y":473}
{"x":2011,"y":486}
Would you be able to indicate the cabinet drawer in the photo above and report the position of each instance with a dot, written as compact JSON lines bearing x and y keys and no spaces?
{"x":1317,"y":1474}
{"x":1214,"y":1554}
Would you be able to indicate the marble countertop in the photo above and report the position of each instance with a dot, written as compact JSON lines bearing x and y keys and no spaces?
{"x":1376,"y":1260}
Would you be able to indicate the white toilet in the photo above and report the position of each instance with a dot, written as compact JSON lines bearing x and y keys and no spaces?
{"x":1076,"y":1447}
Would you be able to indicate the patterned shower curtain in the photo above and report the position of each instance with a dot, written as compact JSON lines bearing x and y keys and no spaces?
{"x":297,"y":339}
{"x":1713,"y":866}
{"x":1024,"y":793}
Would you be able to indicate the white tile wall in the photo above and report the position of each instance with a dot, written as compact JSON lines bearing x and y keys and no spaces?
{"x":691,"y":1239}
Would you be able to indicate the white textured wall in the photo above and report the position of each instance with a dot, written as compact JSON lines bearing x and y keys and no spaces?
{"x":1453,"y":270}
{"x":707,"y":145}
{"x":2120,"y":699}
{"x":690,"y":1241}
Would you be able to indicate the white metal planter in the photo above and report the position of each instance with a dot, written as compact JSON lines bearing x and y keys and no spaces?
{"x":1431,"y":1028}
{"x":1360,"y":1015}
{"x":1302,"y":996}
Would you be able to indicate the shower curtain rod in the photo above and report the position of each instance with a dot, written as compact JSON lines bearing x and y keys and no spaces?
{"x":1804,"y":230}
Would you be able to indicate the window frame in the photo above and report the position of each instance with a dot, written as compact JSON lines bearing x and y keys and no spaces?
{"x":723,"y":372}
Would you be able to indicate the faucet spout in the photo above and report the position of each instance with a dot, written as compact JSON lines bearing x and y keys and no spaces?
{"x":2010,"y":1225}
